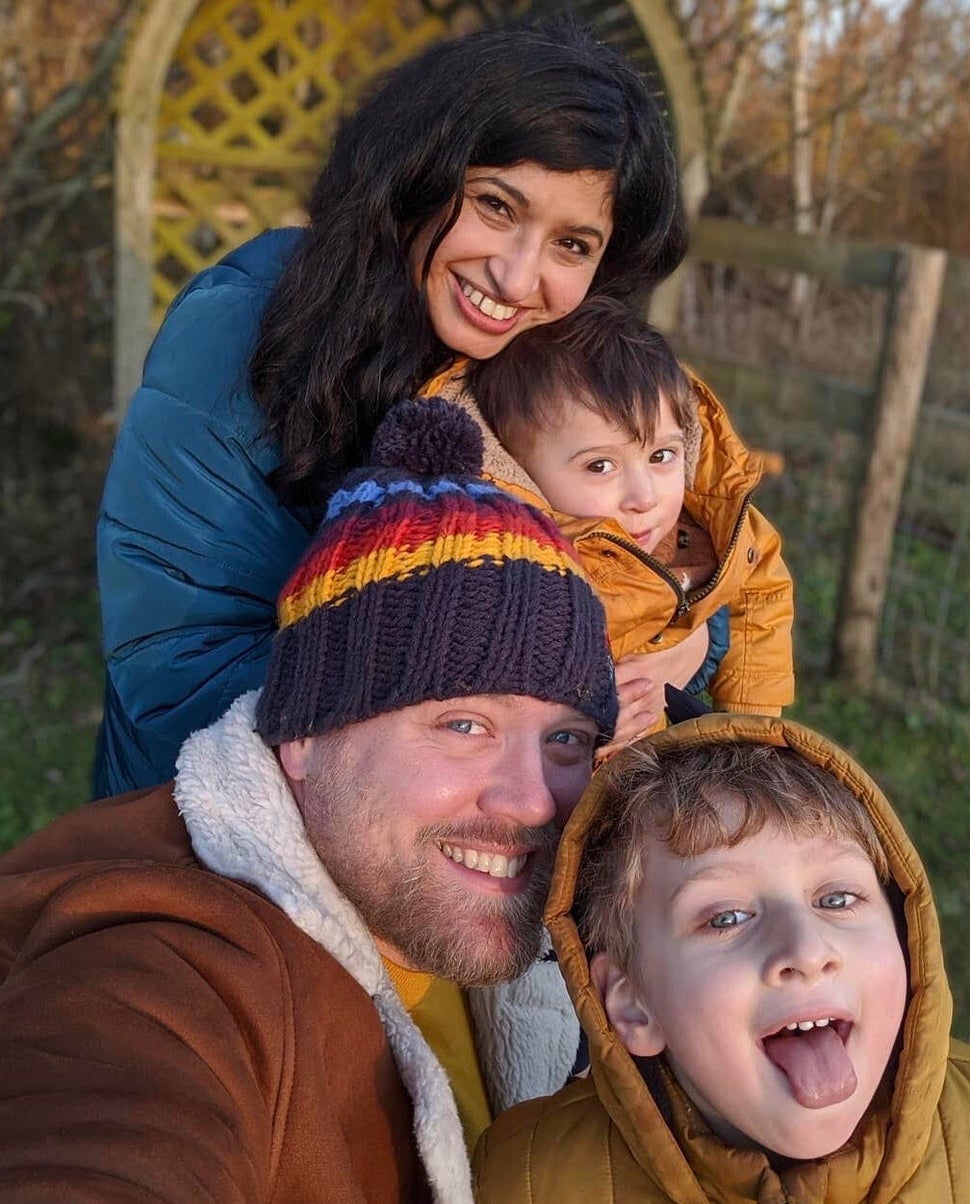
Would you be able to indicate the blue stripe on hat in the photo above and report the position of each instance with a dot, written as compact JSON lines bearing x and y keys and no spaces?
{"x":373,"y":493}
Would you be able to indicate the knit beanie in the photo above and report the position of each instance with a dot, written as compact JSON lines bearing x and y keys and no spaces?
{"x":426,"y":582}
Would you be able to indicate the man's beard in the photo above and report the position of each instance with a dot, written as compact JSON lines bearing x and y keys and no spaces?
{"x":422,"y":910}
{"x":470,"y":938}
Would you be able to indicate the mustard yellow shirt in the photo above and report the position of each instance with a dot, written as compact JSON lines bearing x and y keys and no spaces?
{"x":440,"y":1010}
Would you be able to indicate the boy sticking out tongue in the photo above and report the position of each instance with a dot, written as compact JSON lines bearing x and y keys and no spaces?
{"x":762,"y":941}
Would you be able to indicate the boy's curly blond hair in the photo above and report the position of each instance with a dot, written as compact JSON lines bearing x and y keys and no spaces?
{"x":677,"y":796}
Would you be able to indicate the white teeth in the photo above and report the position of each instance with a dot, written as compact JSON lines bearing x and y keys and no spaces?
{"x":805,"y":1025}
{"x":497,"y":865}
{"x":488,"y":305}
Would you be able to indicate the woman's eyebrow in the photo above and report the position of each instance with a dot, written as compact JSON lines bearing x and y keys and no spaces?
{"x":521,"y":199}
{"x":517,"y":196}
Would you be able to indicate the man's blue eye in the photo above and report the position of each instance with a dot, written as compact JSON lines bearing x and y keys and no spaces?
{"x":727,"y":919}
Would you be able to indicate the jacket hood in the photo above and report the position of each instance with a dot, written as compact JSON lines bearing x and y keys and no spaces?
{"x":891,"y":1140}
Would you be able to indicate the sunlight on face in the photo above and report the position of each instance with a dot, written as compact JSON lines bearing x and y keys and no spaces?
{"x":439,"y":822}
{"x":588,"y":467}
{"x":737,"y":945}
{"x":523,"y":252}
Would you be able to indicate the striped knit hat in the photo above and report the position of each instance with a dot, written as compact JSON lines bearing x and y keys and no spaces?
{"x":424,"y":582}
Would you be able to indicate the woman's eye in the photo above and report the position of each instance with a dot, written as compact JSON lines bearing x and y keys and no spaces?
{"x":600,"y":467}
{"x":837,"y":900}
{"x":576,"y":246}
{"x":494,"y":204}
{"x":729,"y":919}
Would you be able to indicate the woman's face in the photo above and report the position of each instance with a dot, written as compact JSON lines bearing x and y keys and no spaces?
{"x":523,"y":252}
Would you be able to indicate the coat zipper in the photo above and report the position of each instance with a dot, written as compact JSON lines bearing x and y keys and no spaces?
{"x":684,"y":601}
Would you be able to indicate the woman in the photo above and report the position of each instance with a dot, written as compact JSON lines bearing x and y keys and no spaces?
{"x":486,"y":186}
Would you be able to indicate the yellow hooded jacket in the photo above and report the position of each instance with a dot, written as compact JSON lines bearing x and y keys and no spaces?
{"x":646,"y":608}
{"x":604,"y":1140}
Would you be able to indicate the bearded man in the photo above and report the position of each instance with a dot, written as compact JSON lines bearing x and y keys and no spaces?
{"x":276,"y":978}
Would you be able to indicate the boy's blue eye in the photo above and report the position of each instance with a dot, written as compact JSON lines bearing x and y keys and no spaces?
{"x":837,"y":900}
{"x":729,"y":919}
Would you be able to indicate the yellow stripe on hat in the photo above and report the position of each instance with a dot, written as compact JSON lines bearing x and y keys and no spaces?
{"x":391,"y":562}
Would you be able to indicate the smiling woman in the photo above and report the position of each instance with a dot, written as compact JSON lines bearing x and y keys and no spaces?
{"x":522,"y":251}
{"x":483,"y":188}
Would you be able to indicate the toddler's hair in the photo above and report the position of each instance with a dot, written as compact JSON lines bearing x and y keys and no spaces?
{"x":677,"y":796}
{"x":601,"y":355}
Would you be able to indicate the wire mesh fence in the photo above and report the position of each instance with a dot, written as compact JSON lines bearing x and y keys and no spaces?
{"x":924,"y":646}
{"x":925,"y":636}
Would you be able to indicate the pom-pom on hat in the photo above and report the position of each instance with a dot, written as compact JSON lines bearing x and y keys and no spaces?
{"x":425,"y":581}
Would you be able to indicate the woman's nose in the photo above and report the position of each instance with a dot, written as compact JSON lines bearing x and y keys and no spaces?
{"x":514,"y":270}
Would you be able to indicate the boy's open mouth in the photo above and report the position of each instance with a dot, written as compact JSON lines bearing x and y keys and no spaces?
{"x":812,"y":1054}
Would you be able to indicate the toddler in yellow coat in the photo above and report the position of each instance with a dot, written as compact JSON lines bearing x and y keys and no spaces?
{"x":643,"y":472}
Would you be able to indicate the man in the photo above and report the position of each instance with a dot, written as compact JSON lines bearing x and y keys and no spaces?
{"x":245,"y":986}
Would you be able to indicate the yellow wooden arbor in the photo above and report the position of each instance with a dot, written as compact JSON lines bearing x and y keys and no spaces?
{"x":225,"y":110}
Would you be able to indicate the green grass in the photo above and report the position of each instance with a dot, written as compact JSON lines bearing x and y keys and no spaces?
{"x":50,"y":706}
{"x":921,"y":764}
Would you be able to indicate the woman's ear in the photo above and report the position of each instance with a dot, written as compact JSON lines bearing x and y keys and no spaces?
{"x":626,"y":1009}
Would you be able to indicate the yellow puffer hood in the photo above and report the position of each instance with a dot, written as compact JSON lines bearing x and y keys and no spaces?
{"x":882,"y":1162}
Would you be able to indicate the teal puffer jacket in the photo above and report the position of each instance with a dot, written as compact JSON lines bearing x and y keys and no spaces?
{"x":193,"y":543}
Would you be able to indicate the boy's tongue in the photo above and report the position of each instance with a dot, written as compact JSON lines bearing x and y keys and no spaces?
{"x":817,"y":1066}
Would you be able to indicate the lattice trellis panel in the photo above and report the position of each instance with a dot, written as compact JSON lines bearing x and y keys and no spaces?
{"x":251,"y":101}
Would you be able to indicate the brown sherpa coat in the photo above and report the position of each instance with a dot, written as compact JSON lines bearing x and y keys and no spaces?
{"x":604,"y":1140}
{"x":191,"y":1010}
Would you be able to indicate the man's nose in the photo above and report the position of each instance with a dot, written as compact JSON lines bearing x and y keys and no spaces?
{"x":799,"y":949}
{"x":518,"y":788}
{"x":514,"y":270}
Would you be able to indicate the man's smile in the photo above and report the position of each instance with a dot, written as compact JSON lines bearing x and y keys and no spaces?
{"x":496,"y":865}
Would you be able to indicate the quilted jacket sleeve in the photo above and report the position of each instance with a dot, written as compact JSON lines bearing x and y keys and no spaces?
{"x":193,"y":543}
{"x":757,"y":674}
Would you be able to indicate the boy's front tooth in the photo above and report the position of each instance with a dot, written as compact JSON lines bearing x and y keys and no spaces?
{"x":805,"y":1025}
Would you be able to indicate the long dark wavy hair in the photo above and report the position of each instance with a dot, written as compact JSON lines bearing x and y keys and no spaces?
{"x":346,"y":332}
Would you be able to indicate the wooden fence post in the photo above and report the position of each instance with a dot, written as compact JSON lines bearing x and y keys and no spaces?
{"x":913,"y":307}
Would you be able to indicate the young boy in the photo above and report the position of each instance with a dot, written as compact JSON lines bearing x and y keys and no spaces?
{"x":766,"y":1004}
{"x":643,"y":472}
